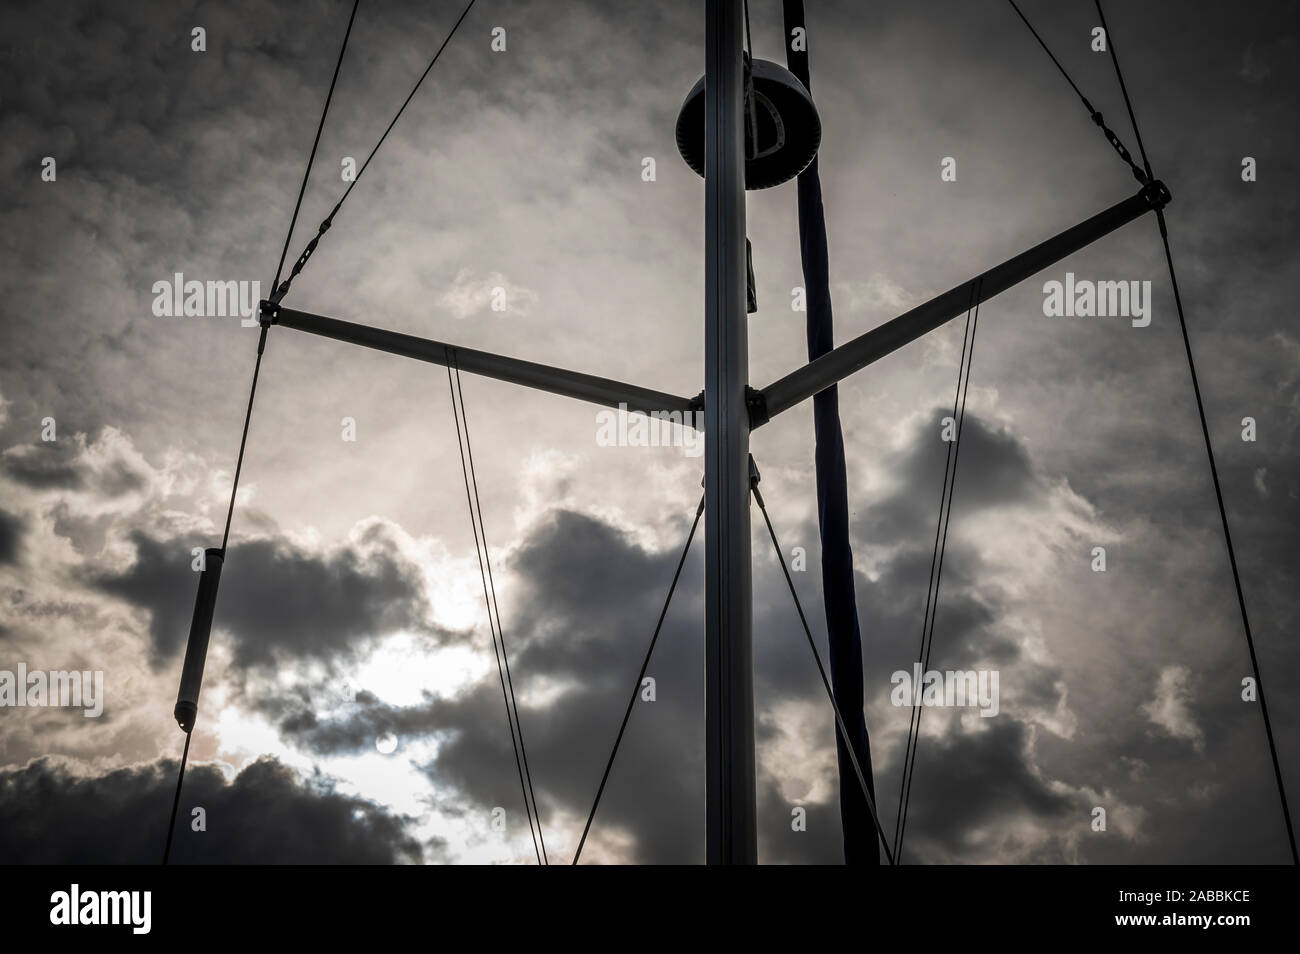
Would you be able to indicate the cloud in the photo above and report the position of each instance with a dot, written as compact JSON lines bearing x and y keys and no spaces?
{"x":1170,"y":709}
{"x":993,"y":470}
{"x":878,"y":296}
{"x":584,"y":599}
{"x":469,"y":295}
{"x":42,"y":466}
{"x":264,"y":815}
{"x":977,"y":795}
{"x":278,"y":601}
{"x":791,"y":737}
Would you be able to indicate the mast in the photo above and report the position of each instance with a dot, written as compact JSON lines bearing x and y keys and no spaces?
{"x":729,"y":668}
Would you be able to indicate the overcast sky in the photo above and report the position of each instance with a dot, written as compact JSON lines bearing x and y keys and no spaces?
{"x":350,"y":606}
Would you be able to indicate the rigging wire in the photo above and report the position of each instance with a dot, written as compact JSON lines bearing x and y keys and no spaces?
{"x":257,"y":369}
{"x":283,"y":289}
{"x":636,"y":686}
{"x":1142,"y":176}
{"x":821,"y":670}
{"x":243,"y":439}
{"x":1209,"y":452}
{"x":176,"y":801}
{"x":936,"y":566}
{"x":507,"y":691}
{"x":1227,"y":538}
{"x":496,"y":608}
{"x":311,"y":158}
{"x":293,"y":221}
{"x":1055,"y":61}
{"x":929,"y":586}
{"x":1123,"y":88}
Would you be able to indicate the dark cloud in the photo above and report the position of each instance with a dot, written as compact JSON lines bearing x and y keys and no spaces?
{"x":969,"y":789}
{"x":581,"y":586}
{"x":581,"y":623}
{"x":276,"y":600}
{"x":993,"y":469}
{"x":43,"y":466}
{"x":655,"y":793}
{"x":820,"y":843}
{"x":591,"y":595}
{"x":11,"y":533}
{"x":964,"y":783}
{"x":265,"y":815}
{"x":65,"y":464}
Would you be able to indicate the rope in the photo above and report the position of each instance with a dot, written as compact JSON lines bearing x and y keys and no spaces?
{"x":821,"y":670}
{"x":180,"y":778}
{"x":636,"y":686}
{"x":936,"y":568}
{"x":495,"y":608}
{"x":1209,"y":453}
{"x":283,"y":289}
{"x":506,"y":692}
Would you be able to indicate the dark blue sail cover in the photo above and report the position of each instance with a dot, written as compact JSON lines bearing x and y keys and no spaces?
{"x":860,"y":844}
